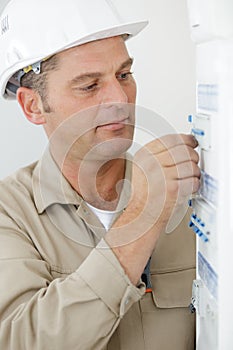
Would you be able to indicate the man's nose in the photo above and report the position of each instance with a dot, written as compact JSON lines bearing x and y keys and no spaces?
{"x":115,"y":93}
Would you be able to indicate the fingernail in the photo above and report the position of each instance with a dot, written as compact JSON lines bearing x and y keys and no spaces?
{"x":194,"y":138}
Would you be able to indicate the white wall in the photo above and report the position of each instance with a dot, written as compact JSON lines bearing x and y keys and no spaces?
{"x":164,"y":70}
{"x":20,"y":142}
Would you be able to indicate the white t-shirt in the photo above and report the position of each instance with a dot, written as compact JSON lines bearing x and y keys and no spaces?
{"x":105,"y":216}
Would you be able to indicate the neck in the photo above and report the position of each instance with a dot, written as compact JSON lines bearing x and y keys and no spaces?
{"x":98,"y":183}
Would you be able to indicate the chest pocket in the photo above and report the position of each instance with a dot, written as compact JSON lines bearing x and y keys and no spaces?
{"x":173,"y":289}
{"x":167,"y":321}
{"x":172,"y":267}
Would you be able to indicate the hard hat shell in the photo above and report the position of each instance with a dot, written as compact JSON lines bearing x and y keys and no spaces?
{"x":32,"y":30}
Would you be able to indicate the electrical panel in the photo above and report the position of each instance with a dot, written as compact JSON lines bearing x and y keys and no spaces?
{"x":211,"y":25}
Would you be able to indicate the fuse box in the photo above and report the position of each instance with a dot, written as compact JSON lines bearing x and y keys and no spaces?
{"x":211,"y":24}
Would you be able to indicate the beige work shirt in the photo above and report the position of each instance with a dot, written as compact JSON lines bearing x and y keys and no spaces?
{"x":61,"y":288}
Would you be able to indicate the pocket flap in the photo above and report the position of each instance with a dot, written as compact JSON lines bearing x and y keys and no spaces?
{"x":173,"y":289}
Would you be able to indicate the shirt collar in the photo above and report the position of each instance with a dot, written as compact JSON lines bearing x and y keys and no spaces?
{"x":50,"y":186}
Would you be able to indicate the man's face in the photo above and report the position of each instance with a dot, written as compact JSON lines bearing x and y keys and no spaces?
{"x":94,"y":85}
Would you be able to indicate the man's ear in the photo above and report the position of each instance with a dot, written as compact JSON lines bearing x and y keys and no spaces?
{"x":31,"y":104}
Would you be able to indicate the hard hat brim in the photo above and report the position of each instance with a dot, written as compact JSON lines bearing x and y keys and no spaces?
{"x":130,"y":29}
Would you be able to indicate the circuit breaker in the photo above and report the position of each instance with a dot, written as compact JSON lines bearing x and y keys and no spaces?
{"x":211,"y":23}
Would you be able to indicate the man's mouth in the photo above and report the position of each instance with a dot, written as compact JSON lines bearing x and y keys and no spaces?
{"x":115,"y":125}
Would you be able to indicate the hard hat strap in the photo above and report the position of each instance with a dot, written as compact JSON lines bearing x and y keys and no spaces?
{"x":35,"y":67}
{"x":15,"y":81}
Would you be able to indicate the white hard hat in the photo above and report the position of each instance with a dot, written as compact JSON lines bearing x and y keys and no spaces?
{"x":32,"y":30}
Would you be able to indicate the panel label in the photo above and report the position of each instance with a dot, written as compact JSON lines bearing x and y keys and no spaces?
{"x":208,"y":275}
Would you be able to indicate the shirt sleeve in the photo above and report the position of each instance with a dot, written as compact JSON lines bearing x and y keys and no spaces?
{"x":80,"y":311}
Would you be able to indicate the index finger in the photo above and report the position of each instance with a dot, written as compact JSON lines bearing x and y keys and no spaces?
{"x":170,"y":141}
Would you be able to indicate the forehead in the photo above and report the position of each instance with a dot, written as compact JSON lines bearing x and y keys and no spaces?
{"x":96,"y":54}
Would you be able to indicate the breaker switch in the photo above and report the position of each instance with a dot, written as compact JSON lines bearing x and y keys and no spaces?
{"x":198,"y":132}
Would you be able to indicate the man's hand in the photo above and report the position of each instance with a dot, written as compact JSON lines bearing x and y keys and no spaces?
{"x":165,"y":173}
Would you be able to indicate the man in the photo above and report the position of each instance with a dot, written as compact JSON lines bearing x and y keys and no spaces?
{"x":85,"y":262}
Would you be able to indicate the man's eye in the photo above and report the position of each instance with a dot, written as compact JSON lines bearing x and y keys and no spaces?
{"x":125,"y":76}
{"x":89,"y":87}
